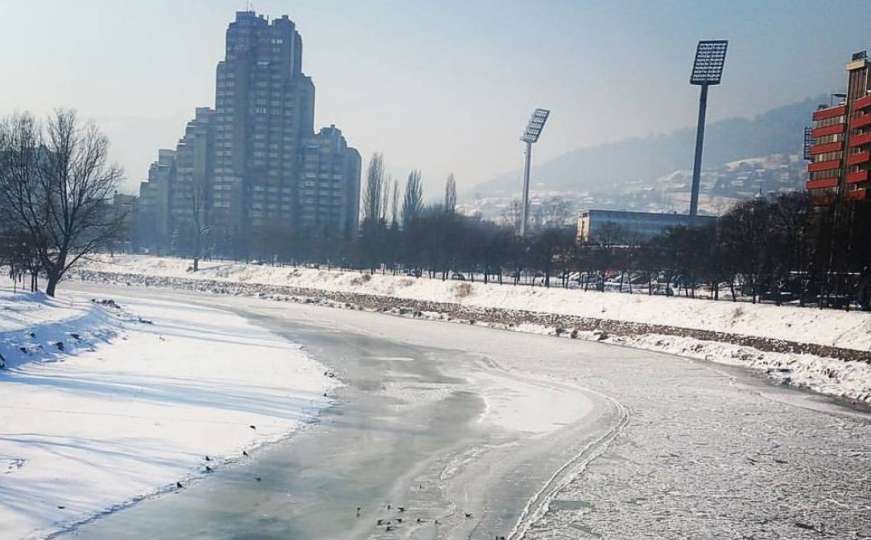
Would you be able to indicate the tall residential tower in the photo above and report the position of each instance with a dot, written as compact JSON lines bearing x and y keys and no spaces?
{"x":259,"y":138}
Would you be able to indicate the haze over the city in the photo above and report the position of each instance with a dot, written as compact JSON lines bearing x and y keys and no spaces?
{"x":441,"y":87}
{"x":292,"y":269}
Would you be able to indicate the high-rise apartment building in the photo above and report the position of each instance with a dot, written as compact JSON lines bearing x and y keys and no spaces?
{"x":840,"y":149}
{"x":190,"y":203}
{"x":329,"y":193}
{"x":248,"y":154}
{"x":264,"y":110}
{"x":152,"y":218}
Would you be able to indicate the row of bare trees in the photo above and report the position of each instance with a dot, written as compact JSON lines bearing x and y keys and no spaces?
{"x":779,"y":249}
{"x":56,"y":186}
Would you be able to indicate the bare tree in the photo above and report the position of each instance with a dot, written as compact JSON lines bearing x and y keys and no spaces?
{"x":385,"y":198}
{"x":374,"y":187}
{"x":512,"y":214}
{"x":394,"y":212}
{"x":451,"y":194}
{"x":199,"y":222}
{"x":412,"y":204}
{"x":18,"y":255}
{"x":56,"y":183}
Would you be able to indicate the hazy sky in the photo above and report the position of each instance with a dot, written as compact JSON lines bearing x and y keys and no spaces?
{"x":438,"y":85}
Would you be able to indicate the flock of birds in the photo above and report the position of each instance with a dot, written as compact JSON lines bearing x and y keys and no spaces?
{"x":388,"y":524}
{"x":208,"y":468}
{"x":394,"y":522}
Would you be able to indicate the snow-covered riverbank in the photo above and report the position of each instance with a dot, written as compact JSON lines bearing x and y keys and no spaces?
{"x":698,"y":450}
{"x":101,"y":405}
{"x":823,"y":350}
{"x":851,"y":330}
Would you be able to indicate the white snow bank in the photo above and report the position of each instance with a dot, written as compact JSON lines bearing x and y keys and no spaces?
{"x":19,"y":310}
{"x":37,"y":327}
{"x":129,"y":407}
{"x":847,"y":379}
{"x":850,"y":330}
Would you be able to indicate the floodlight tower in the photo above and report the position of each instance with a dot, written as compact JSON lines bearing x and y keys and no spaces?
{"x":530,"y":136}
{"x":707,"y":70}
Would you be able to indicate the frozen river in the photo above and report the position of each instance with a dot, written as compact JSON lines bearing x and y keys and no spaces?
{"x":494,"y":433}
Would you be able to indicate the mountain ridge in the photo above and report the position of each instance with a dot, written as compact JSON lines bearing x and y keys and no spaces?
{"x":590,"y":169}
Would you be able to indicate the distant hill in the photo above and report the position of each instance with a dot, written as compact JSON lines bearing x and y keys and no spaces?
{"x":595,"y":169}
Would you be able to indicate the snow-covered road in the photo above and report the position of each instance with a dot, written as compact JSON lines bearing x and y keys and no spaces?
{"x":531,"y":436}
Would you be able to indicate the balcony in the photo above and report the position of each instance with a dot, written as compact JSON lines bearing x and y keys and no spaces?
{"x":860,"y":139}
{"x":824,"y":165}
{"x":860,"y":121}
{"x":826,"y":147}
{"x":862,"y":102}
{"x":816,"y":133}
{"x":857,"y":176}
{"x":823,"y":183}
{"x":831,"y":112}
{"x":822,"y":198}
{"x":857,"y":195}
{"x":859,"y":157}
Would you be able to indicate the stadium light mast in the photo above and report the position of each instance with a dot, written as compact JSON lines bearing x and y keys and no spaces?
{"x":707,"y":71}
{"x":530,"y":136}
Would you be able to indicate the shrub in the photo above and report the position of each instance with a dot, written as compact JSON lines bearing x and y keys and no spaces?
{"x":462,"y":290}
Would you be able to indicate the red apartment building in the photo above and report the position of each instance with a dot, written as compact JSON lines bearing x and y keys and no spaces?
{"x":840,"y":153}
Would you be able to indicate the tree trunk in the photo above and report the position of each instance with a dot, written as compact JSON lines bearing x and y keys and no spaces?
{"x":50,"y":287}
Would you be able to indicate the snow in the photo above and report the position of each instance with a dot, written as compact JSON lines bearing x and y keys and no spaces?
{"x":758,"y":161}
{"x":23,"y":309}
{"x":689,"y":449}
{"x":850,"y":380}
{"x":696,"y":449}
{"x":134,"y":402}
{"x":851,"y":330}
{"x":515,"y":403}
